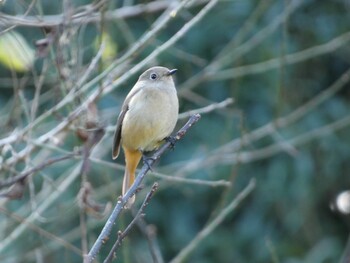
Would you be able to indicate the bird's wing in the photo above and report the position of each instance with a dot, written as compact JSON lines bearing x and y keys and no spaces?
{"x":118,"y":129}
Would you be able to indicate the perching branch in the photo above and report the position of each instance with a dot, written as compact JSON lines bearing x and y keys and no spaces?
{"x":103,"y":237}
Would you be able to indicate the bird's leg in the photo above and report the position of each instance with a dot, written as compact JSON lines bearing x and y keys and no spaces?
{"x":172,"y":141}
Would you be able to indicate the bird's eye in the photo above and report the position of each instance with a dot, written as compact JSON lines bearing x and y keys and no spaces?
{"x":153,"y":76}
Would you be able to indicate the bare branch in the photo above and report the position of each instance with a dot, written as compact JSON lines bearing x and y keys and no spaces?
{"x":217,"y":183}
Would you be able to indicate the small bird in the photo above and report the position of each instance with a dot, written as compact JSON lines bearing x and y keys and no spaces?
{"x":148,"y":116}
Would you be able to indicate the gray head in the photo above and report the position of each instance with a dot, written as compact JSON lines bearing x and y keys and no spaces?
{"x":158,"y":75}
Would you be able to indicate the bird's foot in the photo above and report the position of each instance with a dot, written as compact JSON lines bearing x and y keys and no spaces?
{"x":172,"y":141}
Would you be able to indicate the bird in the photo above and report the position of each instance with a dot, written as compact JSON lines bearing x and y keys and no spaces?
{"x":148,"y":116}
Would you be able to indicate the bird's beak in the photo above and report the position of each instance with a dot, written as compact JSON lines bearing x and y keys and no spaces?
{"x":172,"y":72}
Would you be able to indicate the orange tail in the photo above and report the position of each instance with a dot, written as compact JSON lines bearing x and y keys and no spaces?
{"x":132,"y":159}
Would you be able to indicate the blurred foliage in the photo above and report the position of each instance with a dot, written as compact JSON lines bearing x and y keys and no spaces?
{"x":109,"y":49}
{"x":15,"y":53}
{"x":287,"y":218}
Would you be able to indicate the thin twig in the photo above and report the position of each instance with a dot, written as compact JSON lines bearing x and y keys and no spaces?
{"x":103,"y":237}
{"x":206,"y":109}
{"x":138,"y":216}
{"x":207,"y":230}
{"x":12,"y":180}
{"x":30,"y":7}
{"x":216,"y":183}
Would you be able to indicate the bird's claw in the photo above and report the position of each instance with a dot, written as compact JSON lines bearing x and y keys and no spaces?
{"x":172,"y":141}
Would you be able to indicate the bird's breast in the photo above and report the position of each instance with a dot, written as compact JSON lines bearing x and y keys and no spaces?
{"x":151,"y":117}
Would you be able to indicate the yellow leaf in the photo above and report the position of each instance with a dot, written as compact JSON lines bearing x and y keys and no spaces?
{"x":15,"y":53}
{"x":110,"y":48}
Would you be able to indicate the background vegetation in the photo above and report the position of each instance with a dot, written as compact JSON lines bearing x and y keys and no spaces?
{"x":66,"y":68}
